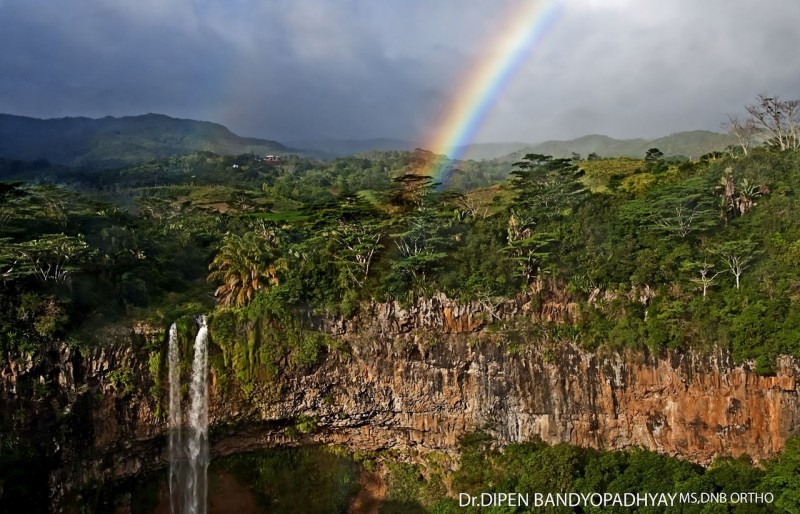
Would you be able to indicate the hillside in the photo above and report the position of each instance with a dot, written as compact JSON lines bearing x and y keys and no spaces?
{"x":110,"y":142}
{"x":487,"y":151}
{"x":689,"y":144}
{"x":343,"y":147}
{"x":574,"y":303}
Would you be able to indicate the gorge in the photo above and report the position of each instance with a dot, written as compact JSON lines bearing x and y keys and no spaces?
{"x":408,"y":378}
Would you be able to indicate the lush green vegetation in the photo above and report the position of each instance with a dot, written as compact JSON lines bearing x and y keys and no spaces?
{"x":656,"y":254}
{"x":530,"y":468}
{"x":296,"y":480}
{"x":661,"y":255}
{"x":318,"y":479}
{"x":105,"y":246}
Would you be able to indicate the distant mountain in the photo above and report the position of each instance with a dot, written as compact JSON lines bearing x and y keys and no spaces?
{"x":689,"y":144}
{"x":110,"y":142}
{"x":692,"y":143}
{"x":488,"y":151}
{"x":342,"y":147}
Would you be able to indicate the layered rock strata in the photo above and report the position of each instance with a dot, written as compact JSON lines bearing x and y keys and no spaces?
{"x":410,"y":378}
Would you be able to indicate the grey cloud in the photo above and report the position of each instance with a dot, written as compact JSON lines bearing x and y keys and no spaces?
{"x":351,"y":68}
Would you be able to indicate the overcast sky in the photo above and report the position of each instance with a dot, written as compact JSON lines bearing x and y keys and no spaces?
{"x":296,"y":69}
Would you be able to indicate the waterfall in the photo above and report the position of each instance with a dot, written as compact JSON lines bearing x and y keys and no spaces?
{"x":175,"y":440}
{"x":188,"y":446}
{"x":197,"y":437}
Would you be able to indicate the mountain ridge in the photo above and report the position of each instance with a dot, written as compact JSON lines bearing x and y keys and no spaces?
{"x":119,"y":141}
{"x":111,"y":142}
{"x":690,"y":143}
{"x":344,"y":147}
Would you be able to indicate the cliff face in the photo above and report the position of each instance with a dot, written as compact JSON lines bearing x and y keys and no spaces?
{"x":421,"y":377}
{"x":688,"y":407}
{"x":410,"y":378}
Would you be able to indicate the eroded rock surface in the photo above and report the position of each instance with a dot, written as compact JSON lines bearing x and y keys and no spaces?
{"x":415,"y":377}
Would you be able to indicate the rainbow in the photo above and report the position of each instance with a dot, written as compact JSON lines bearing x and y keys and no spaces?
{"x":522,"y":33}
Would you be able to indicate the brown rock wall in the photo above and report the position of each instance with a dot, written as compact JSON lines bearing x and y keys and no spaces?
{"x":693,"y":408}
{"x":414,"y":377}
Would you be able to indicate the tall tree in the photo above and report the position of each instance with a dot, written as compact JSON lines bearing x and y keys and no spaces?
{"x":654,"y":161}
{"x":358,"y":243}
{"x":704,"y":274}
{"x":10,"y":195}
{"x":683,"y":208}
{"x":410,"y":191}
{"x":529,"y":250}
{"x":421,"y":245}
{"x":778,"y":119}
{"x":357,"y":232}
{"x":744,"y":130}
{"x":737,"y":256}
{"x":245,"y":265}
{"x":674,"y":210}
{"x":52,"y":256}
{"x":653,"y":154}
{"x":546,"y":187}
{"x":737,"y":198}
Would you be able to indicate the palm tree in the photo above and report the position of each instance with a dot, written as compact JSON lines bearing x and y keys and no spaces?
{"x":244,"y":265}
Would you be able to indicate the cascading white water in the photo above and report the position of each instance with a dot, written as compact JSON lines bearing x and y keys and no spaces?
{"x":197,"y":436}
{"x":188,"y":447}
{"x":175,"y":445}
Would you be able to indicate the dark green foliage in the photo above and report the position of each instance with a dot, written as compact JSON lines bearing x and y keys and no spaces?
{"x":265,"y":340}
{"x":317,"y":479}
{"x":657,"y":255}
{"x":477,"y":266}
{"x":546,"y":188}
{"x":654,"y":161}
{"x":475,"y":449}
{"x":783,"y":477}
{"x":534,"y":467}
{"x":296,"y":480}
{"x":406,"y":484}
{"x":683,"y":209}
{"x":697,"y":254}
{"x":23,"y":476}
{"x":67,"y":261}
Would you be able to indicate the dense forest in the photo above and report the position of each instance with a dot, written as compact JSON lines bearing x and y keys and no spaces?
{"x":657,"y":253}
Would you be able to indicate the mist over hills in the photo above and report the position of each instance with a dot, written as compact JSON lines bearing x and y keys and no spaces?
{"x":342,"y":147}
{"x":690,"y":144}
{"x":111,"y":142}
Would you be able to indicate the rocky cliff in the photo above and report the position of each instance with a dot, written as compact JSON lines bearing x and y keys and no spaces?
{"x":417,"y":377}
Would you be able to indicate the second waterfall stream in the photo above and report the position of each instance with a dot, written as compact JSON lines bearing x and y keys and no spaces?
{"x":188,"y":431}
